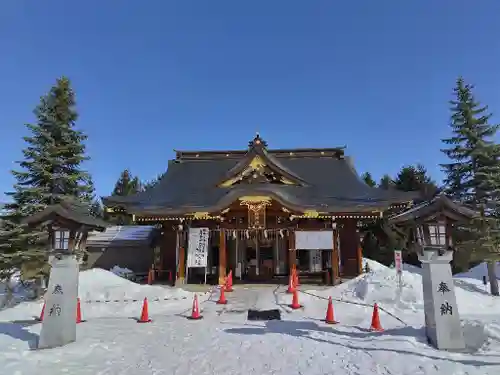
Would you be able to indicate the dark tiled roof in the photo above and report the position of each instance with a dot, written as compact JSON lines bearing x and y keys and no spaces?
{"x":190,"y":185}
{"x":72,"y":211}
{"x":440,"y":203}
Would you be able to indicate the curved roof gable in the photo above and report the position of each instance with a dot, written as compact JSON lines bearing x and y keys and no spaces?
{"x":257,"y":158}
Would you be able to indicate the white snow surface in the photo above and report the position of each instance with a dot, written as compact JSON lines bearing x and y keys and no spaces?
{"x":477,"y":272}
{"x":224,"y":342}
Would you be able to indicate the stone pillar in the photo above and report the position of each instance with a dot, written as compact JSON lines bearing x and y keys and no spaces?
{"x":442,"y":320}
{"x":222,"y":257}
{"x":59,"y":321}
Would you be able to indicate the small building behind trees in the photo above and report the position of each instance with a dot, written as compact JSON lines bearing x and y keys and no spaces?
{"x":128,"y":246}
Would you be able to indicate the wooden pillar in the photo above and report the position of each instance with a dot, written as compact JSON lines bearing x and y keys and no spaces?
{"x":292,"y":256}
{"x":349,"y":247}
{"x":335,"y":258}
{"x":360,"y":258}
{"x":222,"y":257}
{"x":72,"y":240}
{"x":182,"y":259}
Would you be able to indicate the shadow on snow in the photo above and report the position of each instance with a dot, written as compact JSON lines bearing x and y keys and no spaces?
{"x":303,"y":329}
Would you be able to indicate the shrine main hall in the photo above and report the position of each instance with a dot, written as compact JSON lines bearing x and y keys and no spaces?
{"x":261,"y":212}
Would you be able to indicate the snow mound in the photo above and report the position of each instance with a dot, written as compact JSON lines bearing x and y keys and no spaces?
{"x":478,"y":272}
{"x":380,"y":285}
{"x":99,"y":284}
{"x":372,"y":264}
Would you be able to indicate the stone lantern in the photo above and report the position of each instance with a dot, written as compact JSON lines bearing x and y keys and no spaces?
{"x":68,"y":224}
{"x":430,"y":223}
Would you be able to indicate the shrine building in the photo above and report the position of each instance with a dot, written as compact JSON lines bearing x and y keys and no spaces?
{"x":263,"y":211}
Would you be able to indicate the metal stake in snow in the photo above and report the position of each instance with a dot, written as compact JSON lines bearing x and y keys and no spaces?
{"x":442,"y":321}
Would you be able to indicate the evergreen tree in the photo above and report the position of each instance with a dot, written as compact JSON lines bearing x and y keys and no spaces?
{"x":96,"y":208}
{"x":386,"y":182}
{"x":472,"y":175}
{"x":49,"y":172}
{"x":126,"y":185}
{"x":469,"y":143}
{"x":415,"y":178}
{"x":368,"y":179}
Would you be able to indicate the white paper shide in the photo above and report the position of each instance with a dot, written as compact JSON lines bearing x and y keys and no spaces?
{"x":198,"y":247}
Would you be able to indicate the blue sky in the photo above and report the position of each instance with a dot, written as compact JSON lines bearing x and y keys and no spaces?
{"x":153,"y":76}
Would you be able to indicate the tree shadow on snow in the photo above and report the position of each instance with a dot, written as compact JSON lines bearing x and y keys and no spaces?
{"x":18,"y":332}
{"x":470,"y":287}
{"x":303,"y":329}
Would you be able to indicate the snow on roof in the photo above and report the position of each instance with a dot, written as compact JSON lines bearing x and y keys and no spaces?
{"x":122,"y":235}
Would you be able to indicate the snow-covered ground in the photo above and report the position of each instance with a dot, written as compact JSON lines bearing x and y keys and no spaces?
{"x":224,"y":342}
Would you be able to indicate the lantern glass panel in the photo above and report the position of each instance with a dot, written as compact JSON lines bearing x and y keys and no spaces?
{"x":437,"y":234}
{"x":61,"y":239}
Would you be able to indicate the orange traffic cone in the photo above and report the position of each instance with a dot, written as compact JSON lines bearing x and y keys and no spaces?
{"x":296,"y":278}
{"x":291,"y":287}
{"x":150,"y":277}
{"x":295,"y":301}
{"x":78,"y":312}
{"x":145,"y":313}
{"x":376,"y":326}
{"x":329,"y":313}
{"x":222,"y":298}
{"x":229,"y":281}
{"x":195,"y":312}
{"x":42,"y":313}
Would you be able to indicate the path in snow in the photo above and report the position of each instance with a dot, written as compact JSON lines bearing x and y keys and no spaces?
{"x":225,"y":343}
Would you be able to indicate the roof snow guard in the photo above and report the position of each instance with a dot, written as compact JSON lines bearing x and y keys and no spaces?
{"x":322,"y":180}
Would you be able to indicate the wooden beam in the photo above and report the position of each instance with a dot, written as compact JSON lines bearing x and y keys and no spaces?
{"x":182,"y":259}
{"x":292,"y":256}
{"x":222,"y":257}
{"x":335,"y":258}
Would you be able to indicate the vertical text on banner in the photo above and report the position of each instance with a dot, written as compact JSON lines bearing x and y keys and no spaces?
{"x":198,"y":247}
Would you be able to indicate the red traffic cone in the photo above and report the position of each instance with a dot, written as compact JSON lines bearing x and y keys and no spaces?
{"x":329,"y":313}
{"x":195,"y":312}
{"x":145,"y":313}
{"x":78,"y":312}
{"x":229,"y":281}
{"x":222,"y":298}
{"x":295,"y":301}
{"x":291,"y":287}
{"x":42,"y":313}
{"x":376,"y":326}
